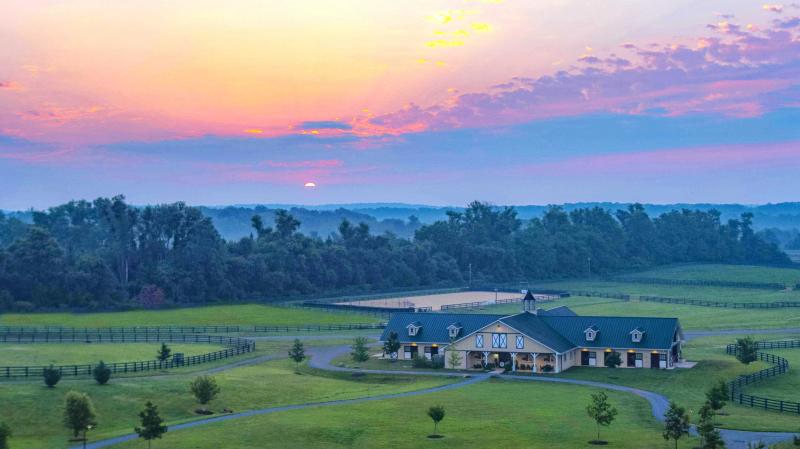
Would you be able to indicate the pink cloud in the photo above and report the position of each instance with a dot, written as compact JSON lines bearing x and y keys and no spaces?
{"x":738,"y":71}
{"x":324,"y":163}
{"x":680,"y":160}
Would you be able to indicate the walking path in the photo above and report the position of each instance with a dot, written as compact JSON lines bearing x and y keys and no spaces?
{"x":201,"y":422}
{"x":322,"y":357}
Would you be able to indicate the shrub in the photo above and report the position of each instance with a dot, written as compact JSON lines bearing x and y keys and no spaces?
{"x":437,"y":361}
{"x":204,"y":389}
{"x":51,"y":376}
{"x":547,"y":368}
{"x":420,"y":362}
{"x":101,"y":373}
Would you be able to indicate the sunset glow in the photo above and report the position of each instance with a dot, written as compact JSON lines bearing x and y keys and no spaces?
{"x":185,"y":97}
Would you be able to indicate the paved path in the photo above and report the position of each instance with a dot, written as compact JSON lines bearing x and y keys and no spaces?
{"x":696,"y":334}
{"x":734,"y":439}
{"x":202,"y":422}
{"x":321,"y":358}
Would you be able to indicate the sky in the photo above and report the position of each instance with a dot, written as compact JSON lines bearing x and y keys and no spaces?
{"x":435,"y":102}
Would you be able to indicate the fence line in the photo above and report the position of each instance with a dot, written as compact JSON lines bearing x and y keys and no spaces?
{"x":234,"y":346}
{"x":213,"y":329}
{"x":700,"y":282}
{"x":779,"y":366}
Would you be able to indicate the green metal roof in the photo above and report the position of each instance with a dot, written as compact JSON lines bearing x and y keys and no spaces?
{"x":434,"y":325}
{"x":557,"y":329}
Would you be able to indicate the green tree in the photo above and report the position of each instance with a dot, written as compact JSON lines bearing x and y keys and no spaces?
{"x":676,"y":423}
{"x":601,"y":411}
{"x":205,"y":389}
{"x":392,"y":344}
{"x":164,"y":352}
{"x":5,"y":434}
{"x":717,"y":395}
{"x":436,"y":413}
{"x":710,"y":437}
{"x":359,"y":352}
{"x":757,"y":445}
{"x":297,"y":352}
{"x":152,"y":424}
{"x":101,"y":373}
{"x":51,"y":376}
{"x":454,"y":359}
{"x":79,"y":414}
{"x":613,"y":359}
{"x":746,"y":350}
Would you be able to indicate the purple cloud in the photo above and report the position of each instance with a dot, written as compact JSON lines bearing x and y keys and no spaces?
{"x":737,"y":71}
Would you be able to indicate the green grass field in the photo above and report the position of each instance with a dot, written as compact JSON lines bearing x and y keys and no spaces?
{"x":248,"y":314}
{"x":722,"y":294}
{"x":718,"y":272}
{"x":688,"y":386}
{"x":692,"y":317}
{"x":783,"y":387}
{"x":34,"y":412}
{"x":12,"y":354}
{"x":489,"y":414}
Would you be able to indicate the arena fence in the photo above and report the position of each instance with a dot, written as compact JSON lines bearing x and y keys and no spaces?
{"x":779,"y":366}
{"x":233,"y":346}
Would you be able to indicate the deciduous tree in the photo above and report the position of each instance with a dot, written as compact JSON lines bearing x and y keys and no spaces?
{"x":152,"y":424}
{"x":676,"y":423}
{"x":601,"y":411}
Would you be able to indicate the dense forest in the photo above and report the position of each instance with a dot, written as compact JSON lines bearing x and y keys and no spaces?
{"x":107,"y":254}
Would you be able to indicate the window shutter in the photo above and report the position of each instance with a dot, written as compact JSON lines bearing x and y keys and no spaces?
{"x":520,"y":342}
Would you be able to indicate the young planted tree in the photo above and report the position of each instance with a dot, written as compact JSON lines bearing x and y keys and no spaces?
{"x":437,"y":414}
{"x":746,"y":350}
{"x":51,"y":376}
{"x":392,"y":345}
{"x":297,"y":353}
{"x":79,"y":414}
{"x":613,"y":359}
{"x":101,"y":373}
{"x":710,"y":437}
{"x":360,"y":353}
{"x":164,"y":352}
{"x":717,"y":395}
{"x":676,"y":423}
{"x":757,"y":445}
{"x":454,"y":359}
{"x":152,"y":424}
{"x":205,"y":389}
{"x":5,"y":434}
{"x":601,"y":412}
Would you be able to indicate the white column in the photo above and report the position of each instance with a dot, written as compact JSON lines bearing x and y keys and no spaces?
{"x":485,"y":358}
{"x":533,"y":367}
{"x":558,"y":363}
{"x":513,"y":361}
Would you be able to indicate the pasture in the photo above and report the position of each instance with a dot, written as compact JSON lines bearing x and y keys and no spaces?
{"x":80,"y":353}
{"x":244,"y":314}
{"x":488,"y":414}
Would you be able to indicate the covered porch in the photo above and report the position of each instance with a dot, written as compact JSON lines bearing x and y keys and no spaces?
{"x":530,"y":362}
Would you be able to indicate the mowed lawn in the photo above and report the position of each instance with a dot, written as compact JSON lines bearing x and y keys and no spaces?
{"x":246,"y":314}
{"x":687,"y":387}
{"x":691,"y":317}
{"x":35,"y":412}
{"x":490,"y":414}
{"x":722,"y":294}
{"x":25,"y":354}
{"x":720,"y":272}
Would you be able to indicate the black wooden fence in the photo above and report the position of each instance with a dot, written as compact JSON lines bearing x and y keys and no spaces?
{"x":700,"y":282}
{"x":234,"y":346}
{"x":722,"y":304}
{"x":209,"y":329}
{"x":779,"y":366}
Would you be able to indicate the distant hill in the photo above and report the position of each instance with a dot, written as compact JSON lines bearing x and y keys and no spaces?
{"x":233,"y":222}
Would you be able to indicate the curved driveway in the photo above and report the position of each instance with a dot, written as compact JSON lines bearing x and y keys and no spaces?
{"x":321,"y":358}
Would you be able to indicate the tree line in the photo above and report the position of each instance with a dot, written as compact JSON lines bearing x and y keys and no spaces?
{"x":107,"y":254}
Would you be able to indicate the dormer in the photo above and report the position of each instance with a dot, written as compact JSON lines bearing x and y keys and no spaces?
{"x":413,"y":328}
{"x":453,"y":330}
{"x":637,"y":335}
{"x":591,"y":333}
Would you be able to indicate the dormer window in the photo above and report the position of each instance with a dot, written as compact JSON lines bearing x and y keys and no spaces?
{"x":636,"y":335}
{"x":413,"y":329}
{"x":453,"y":330}
{"x":591,"y":333}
